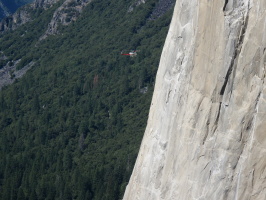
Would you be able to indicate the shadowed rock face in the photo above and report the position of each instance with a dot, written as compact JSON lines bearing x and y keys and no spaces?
{"x":206,"y":134}
{"x":22,"y":16}
{"x":7,"y":7}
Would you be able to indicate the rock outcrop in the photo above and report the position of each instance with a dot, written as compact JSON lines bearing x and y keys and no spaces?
{"x":136,"y":4}
{"x":13,"y":21}
{"x":68,"y":12}
{"x":9,"y":73}
{"x":206,"y":133}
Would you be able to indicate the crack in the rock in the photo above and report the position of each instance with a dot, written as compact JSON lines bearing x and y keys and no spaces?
{"x":236,"y":53}
{"x":218,"y":115}
{"x":207,"y":132}
{"x":225,"y":4}
{"x":252,"y":177}
{"x":228,"y":73}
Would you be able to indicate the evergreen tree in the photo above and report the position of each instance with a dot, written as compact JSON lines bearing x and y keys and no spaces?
{"x":72,"y":125}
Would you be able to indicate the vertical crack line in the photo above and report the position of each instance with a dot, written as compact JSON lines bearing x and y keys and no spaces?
{"x":207,"y":132}
{"x":236,"y":52}
{"x":228,"y":73}
{"x":225,"y":4}
{"x":254,"y":121}
{"x":168,"y":96}
{"x":252,"y":178}
{"x":217,"y":118}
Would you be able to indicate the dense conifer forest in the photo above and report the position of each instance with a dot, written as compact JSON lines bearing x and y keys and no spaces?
{"x":72,"y":126}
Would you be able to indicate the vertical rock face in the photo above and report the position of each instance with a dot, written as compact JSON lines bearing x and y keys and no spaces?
{"x":206,"y":133}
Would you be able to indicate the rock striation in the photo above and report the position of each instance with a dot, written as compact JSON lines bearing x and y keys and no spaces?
{"x":206,"y":133}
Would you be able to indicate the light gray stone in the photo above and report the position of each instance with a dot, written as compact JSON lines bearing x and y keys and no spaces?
{"x":206,"y":133}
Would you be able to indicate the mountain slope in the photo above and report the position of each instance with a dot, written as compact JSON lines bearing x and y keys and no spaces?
{"x":205,"y":137}
{"x":8,"y":7}
{"x":3,"y":11}
{"x":72,"y":125}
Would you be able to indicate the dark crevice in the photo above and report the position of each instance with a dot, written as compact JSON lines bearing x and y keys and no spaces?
{"x":243,"y":32}
{"x":208,"y":128}
{"x":225,"y":4}
{"x":217,"y":119}
{"x":257,"y":100}
{"x":236,"y":53}
{"x":228,"y":75}
{"x":205,"y":166}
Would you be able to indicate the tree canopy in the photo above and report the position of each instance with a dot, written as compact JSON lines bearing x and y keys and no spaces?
{"x":72,"y":126}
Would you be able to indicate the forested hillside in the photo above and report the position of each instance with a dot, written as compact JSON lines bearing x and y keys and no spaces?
{"x":71,"y":127}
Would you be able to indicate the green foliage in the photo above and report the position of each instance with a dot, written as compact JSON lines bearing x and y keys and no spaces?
{"x":2,"y":63}
{"x":71,"y":127}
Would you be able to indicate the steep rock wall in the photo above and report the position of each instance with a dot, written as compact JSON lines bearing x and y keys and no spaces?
{"x":206,"y":132}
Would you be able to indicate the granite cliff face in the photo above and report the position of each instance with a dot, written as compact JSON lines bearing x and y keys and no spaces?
{"x":206,"y":133}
